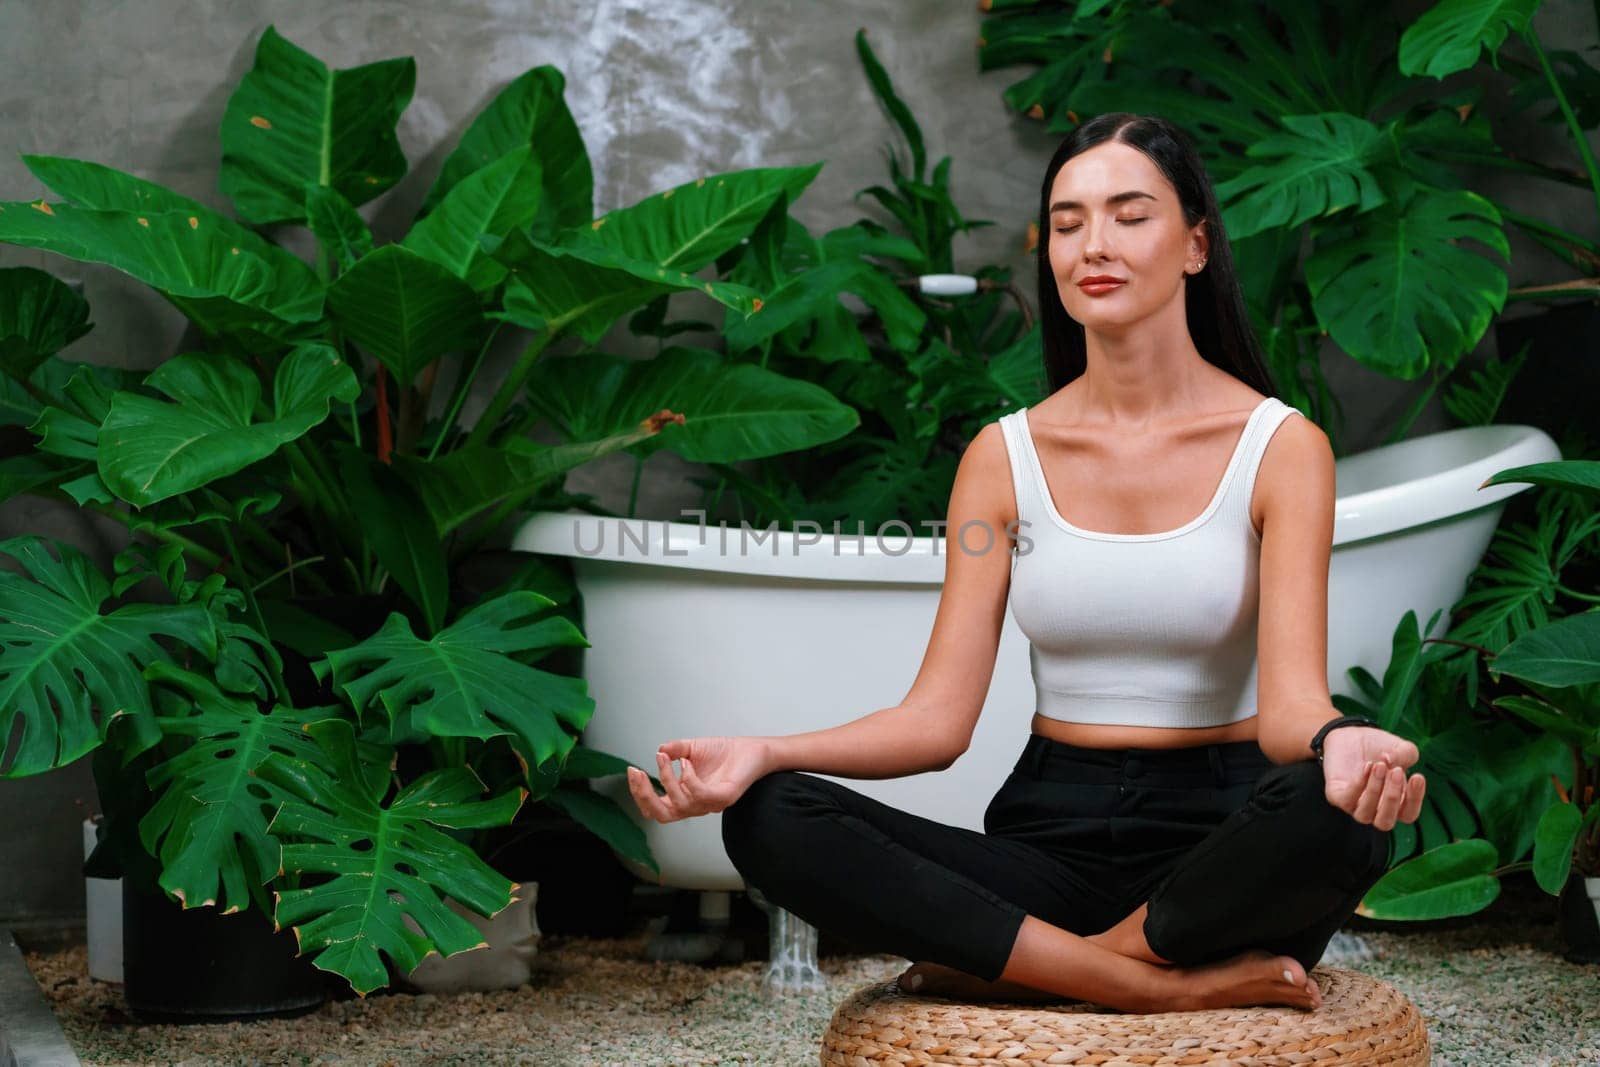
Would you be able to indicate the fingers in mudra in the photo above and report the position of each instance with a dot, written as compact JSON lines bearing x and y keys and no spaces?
{"x":1389,"y":795}
{"x":683,"y":791}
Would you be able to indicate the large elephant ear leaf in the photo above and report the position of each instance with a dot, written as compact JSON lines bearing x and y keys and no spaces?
{"x":465,"y":682}
{"x":39,"y":316}
{"x":292,"y":121}
{"x":589,"y":275}
{"x":404,"y":309}
{"x":150,"y":450}
{"x":494,"y":200}
{"x":62,"y":659}
{"x":529,"y":111}
{"x":337,"y":225}
{"x":208,"y":824}
{"x":384,"y":862}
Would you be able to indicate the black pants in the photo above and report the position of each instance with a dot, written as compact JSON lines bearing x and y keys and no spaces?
{"x":1232,"y":851}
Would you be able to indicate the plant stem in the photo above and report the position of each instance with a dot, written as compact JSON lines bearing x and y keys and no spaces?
{"x":463,"y":385}
{"x":405,"y":413}
{"x":633,"y":491}
{"x":508,"y":389}
{"x":290,"y":569}
{"x":243,"y":582}
{"x":1511,"y":163}
{"x":484,"y":528}
{"x":1580,"y":596}
{"x":354,"y":360}
{"x":1488,"y":654}
{"x":385,"y":433}
{"x":197,"y":551}
{"x":1578,"y":134}
{"x":325,"y":273}
{"x":1539,"y":226}
{"x":317,"y":499}
{"x":1404,"y":425}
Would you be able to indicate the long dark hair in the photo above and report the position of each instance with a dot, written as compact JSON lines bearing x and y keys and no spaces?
{"x":1218,"y":321}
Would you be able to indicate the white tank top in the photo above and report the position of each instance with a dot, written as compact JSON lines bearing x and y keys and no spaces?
{"x":1152,"y":629}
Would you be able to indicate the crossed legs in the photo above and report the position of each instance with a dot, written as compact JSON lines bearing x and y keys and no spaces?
{"x":951,"y":897}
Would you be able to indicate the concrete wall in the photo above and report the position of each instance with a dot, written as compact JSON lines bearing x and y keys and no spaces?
{"x":662,"y":90}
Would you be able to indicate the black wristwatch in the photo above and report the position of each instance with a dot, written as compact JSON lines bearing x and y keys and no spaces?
{"x":1343,"y":720}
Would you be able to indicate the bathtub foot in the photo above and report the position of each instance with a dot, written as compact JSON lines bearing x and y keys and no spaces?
{"x":793,"y":967}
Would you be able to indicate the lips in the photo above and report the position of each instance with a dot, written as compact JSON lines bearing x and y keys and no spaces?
{"x":1099,"y":284}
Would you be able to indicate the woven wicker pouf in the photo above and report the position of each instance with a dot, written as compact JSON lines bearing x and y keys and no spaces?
{"x":1361,"y":1021}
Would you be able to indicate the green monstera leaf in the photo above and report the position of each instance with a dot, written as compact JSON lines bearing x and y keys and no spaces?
{"x":292,"y":121}
{"x":385,"y":862}
{"x":1450,"y":36}
{"x":464,"y":682}
{"x":1320,"y":166}
{"x":62,"y":659}
{"x":150,"y":450}
{"x":208,"y":825}
{"x":246,"y":661}
{"x":1398,"y":293}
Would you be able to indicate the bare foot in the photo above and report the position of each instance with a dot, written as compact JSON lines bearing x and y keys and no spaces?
{"x":1250,"y":978}
{"x":936,"y":980}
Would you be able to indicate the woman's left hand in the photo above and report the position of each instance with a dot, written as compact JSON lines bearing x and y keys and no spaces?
{"x":1364,"y":771}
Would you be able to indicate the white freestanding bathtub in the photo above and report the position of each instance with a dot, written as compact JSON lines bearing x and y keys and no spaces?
{"x":705,"y":630}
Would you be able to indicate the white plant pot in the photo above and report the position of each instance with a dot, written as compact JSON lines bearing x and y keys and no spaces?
{"x":1592,"y":887}
{"x":102,"y":915}
{"x":505,"y":962}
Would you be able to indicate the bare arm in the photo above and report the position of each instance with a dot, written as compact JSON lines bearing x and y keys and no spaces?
{"x":932,"y":726}
{"x":889,"y":743}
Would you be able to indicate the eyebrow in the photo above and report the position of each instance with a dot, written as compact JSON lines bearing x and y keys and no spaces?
{"x":1116,"y":198}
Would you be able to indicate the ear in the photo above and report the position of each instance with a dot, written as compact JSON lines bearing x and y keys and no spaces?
{"x":1200,"y":240}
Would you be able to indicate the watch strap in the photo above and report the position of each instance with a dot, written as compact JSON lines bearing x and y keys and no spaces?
{"x":1333,"y":724}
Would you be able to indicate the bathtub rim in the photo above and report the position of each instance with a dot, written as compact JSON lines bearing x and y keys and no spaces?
{"x":920,"y":559}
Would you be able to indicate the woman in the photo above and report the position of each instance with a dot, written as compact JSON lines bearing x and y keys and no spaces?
{"x":1171,"y":838}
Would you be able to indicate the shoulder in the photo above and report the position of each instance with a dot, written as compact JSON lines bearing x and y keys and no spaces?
{"x":987,"y":452}
{"x":983,"y":478}
{"x":1297,"y":468}
{"x":1296,"y":442}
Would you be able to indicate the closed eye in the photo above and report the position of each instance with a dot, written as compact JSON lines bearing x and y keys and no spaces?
{"x":1130,"y":222}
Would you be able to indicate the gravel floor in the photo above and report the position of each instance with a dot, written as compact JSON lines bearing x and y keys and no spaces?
{"x":1494,"y":992}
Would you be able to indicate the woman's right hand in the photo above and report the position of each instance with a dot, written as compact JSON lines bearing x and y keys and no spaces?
{"x":716,"y":772}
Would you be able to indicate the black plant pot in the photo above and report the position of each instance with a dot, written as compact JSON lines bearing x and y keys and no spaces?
{"x":198,"y":965}
{"x":1580,"y":930}
{"x":584,"y":890}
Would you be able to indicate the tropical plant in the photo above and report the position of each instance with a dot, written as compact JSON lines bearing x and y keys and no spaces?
{"x":305,"y":455}
{"x":1496,"y":787}
{"x":924,"y":372}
